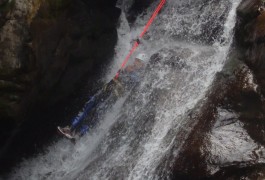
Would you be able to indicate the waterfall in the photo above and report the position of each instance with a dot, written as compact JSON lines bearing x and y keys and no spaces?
{"x":187,"y":45}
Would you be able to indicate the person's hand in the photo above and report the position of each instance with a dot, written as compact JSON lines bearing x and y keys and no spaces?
{"x":138,"y":41}
{"x":129,"y":69}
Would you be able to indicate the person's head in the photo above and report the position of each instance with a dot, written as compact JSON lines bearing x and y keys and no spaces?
{"x":141,"y":58}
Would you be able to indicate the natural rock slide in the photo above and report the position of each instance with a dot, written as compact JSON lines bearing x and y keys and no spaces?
{"x":197,"y":114}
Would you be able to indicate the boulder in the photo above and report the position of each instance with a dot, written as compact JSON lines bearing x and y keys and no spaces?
{"x":229,"y":135}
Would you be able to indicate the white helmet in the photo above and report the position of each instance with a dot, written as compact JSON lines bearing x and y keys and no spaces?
{"x":142,"y":57}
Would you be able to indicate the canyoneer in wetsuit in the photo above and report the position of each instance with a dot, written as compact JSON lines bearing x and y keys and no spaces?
{"x":127,"y":79}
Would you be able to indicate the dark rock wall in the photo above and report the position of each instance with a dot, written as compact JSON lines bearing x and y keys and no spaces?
{"x":43,"y":61}
{"x":251,"y":38}
{"x":72,"y":44}
{"x":232,"y":93}
{"x":49,"y":49}
{"x":14,"y":81}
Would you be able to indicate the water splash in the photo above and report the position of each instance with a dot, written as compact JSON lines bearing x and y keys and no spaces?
{"x":187,"y":46}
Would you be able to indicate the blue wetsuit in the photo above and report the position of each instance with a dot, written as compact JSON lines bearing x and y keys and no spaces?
{"x":126,"y":79}
{"x":82,"y":115}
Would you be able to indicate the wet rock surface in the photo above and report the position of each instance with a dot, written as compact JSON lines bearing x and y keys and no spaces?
{"x":15,"y":81}
{"x":47,"y":49}
{"x":71,"y":46}
{"x":136,"y":8}
{"x":228,"y":140}
{"x":253,"y":43}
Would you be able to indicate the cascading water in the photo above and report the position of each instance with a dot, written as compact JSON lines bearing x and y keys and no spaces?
{"x":187,"y":45}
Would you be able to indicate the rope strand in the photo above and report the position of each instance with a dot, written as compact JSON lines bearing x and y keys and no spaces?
{"x":136,"y":44}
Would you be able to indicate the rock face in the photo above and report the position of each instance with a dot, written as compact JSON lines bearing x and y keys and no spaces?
{"x":133,"y":8}
{"x":46,"y":48}
{"x":15,"y":80}
{"x":71,"y":44}
{"x":228,"y":141}
{"x":252,"y":27}
{"x":137,"y":8}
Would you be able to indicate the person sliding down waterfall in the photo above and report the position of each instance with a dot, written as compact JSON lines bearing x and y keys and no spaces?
{"x":127,"y":79}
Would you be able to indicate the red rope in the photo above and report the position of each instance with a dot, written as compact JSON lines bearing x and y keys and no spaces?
{"x":127,"y":58}
{"x":136,"y":44}
{"x":152,"y":17}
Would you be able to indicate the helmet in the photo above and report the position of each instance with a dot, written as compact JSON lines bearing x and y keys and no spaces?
{"x":142,"y":57}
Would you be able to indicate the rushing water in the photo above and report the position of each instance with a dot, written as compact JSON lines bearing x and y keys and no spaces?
{"x":187,"y":45}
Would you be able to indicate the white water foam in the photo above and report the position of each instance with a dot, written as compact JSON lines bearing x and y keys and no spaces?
{"x":137,"y":134}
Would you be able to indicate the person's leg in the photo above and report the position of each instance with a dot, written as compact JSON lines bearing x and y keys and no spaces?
{"x":83,"y":130}
{"x":81,"y":116}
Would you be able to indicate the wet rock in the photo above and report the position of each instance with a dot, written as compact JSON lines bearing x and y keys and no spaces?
{"x":225,"y":138}
{"x":12,"y":36}
{"x":253,"y":43}
{"x":252,"y":172}
{"x":49,"y":54}
{"x":231,"y":145}
{"x":256,"y":31}
{"x":133,"y":8}
{"x":71,"y":46}
{"x":175,"y":59}
{"x":137,"y":8}
{"x":14,"y":81}
{"x":248,"y":9}
{"x":47,"y":48}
